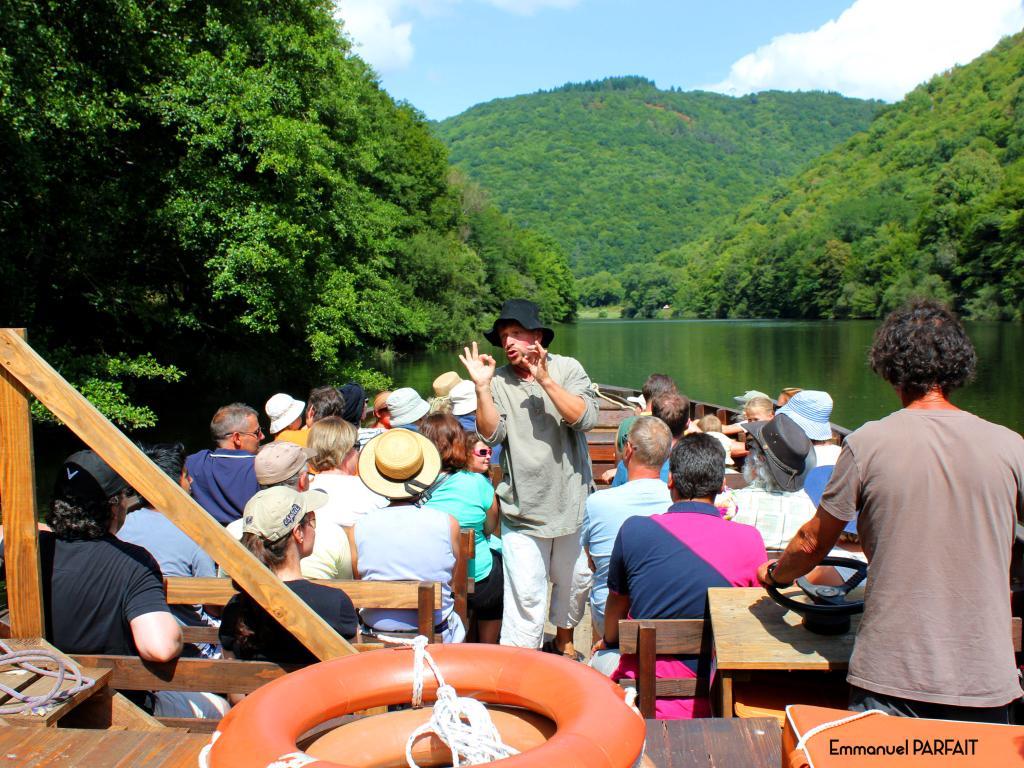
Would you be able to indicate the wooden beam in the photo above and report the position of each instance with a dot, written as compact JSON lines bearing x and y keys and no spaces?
{"x":38,"y":377}
{"x":18,"y":494}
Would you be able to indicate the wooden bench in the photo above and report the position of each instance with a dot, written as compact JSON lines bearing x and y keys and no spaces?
{"x":646,"y":639}
{"x":422,"y":596}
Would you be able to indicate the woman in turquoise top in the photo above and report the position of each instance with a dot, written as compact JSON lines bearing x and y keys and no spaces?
{"x":469,"y":498}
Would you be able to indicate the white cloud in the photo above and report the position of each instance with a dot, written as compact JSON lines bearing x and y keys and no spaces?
{"x":877,"y":48}
{"x":382,"y":34}
{"x":376,"y":35}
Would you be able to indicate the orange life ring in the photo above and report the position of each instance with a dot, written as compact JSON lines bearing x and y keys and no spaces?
{"x":593,"y":726}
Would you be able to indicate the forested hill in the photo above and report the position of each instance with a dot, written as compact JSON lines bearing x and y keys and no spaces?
{"x":618,"y":170}
{"x":928,"y":201}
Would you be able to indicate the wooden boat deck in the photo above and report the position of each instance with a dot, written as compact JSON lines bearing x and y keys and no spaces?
{"x":99,"y":749}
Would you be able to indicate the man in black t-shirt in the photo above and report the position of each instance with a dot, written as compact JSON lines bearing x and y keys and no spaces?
{"x":100,"y":594}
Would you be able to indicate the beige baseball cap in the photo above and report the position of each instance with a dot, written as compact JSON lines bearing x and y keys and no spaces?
{"x":273,"y":513}
{"x":277,"y":461}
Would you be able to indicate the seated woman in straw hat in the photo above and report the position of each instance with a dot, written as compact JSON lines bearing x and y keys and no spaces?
{"x":405,"y":541}
{"x":279,"y":526}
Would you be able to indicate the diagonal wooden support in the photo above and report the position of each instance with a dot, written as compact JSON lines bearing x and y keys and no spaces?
{"x":23,"y":365}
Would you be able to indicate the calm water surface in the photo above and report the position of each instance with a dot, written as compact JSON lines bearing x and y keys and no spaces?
{"x":714,"y":360}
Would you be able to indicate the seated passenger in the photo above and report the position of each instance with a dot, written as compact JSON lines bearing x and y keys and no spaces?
{"x":812,"y":410}
{"x":656,"y":384}
{"x":469,"y":498}
{"x":404,"y":541}
{"x":279,"y":528}
{"x":174,"y":551}
{"x":223,"y":479}
{"x":101,"y":594}
{"x":674,"y":410}
{"x":284,"y":464}
{"x":286,"y":422}
{"x":648,"y":445}
{"x":780,"y":458}
{"x":757,"y":408}
{"x":662,"y":566}
{"x":335,"y":459}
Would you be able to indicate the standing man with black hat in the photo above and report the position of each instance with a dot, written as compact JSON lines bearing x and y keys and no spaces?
{"x":538,"y":408}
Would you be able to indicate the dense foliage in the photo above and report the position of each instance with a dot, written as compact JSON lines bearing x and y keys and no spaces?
{"x":928,"y":201}
{"x":618,"y":171}
{"x":211,"y":188}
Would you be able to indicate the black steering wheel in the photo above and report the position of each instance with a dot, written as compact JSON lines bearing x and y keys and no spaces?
{"x":829,"y":612}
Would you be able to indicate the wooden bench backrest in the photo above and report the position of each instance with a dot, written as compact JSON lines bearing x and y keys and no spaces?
{"x":422,"y":596}
{"x":646,"y":638}
{"x":460,"y":578}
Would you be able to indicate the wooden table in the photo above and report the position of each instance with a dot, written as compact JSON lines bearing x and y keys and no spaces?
{"x":753,"y":632}
{"x":714,"y":742}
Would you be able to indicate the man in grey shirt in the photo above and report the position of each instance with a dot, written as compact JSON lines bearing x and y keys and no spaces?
{"x":538,"y":408}
{"x":938,"y":492}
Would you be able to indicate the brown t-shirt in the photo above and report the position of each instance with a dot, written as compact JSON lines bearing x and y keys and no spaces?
{"x":938,"y":493}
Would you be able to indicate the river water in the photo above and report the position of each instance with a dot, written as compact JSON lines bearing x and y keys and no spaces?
{"x":715,"y":360}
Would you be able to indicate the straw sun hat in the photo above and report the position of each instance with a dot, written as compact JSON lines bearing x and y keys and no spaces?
{"x":399,"y":464}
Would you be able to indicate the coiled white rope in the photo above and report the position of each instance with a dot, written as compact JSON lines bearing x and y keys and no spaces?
{"x":462,"y":723}
{"x":27,"y":660}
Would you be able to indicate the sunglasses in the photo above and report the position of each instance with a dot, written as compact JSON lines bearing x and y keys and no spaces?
{"x":482,"y":452}
{"x":257,"y":433}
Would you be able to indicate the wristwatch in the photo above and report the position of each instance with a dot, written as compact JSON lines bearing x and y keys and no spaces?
{"x":770,"y":573}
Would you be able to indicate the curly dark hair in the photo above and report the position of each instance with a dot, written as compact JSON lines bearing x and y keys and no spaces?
{"x":922,"y":346}
{"x":80,"y":519}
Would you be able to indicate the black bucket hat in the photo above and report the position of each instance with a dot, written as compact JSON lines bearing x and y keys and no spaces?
{"x":524,"y":312}
{"x":788,"y":452}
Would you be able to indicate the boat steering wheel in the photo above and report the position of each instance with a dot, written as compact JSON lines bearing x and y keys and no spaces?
{"x":829,"y":611}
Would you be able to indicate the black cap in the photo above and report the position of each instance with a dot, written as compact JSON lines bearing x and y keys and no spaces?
{"x":87,"y":477}
{"x":524,"y":312}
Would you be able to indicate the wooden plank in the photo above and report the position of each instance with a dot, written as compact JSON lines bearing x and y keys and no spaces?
{"x":100,"y":749}
{"x":708,"y":743}
{"x":18,"y":494}
{"x":38,"y":377}
{"x":460,"y":575}
{"x":130,"y":673}
{"x":645,"y":676}
{"x":674,"y":635}
{"x":185,"y":590}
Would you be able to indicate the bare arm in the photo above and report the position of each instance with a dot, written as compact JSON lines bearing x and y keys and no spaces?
{"x":351,"y":534}
{"x":157,"y":636}
{"x":616,"y":609}
{"x":811,"y":544}
{"x":481,"y":370}
{"x":491,"y":520}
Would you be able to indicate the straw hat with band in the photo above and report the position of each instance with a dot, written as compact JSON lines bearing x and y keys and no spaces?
{"x":444,"y":383}
{"x":788,"y":452}
{"x":399,"y":464}
{"x":524,"y":312}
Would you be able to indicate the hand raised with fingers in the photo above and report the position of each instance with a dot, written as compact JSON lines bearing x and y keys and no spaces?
{"x":537,"y":361}
{"x":480,"y":367}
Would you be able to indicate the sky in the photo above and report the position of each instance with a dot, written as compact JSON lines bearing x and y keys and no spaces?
{"x":444,"y":56}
